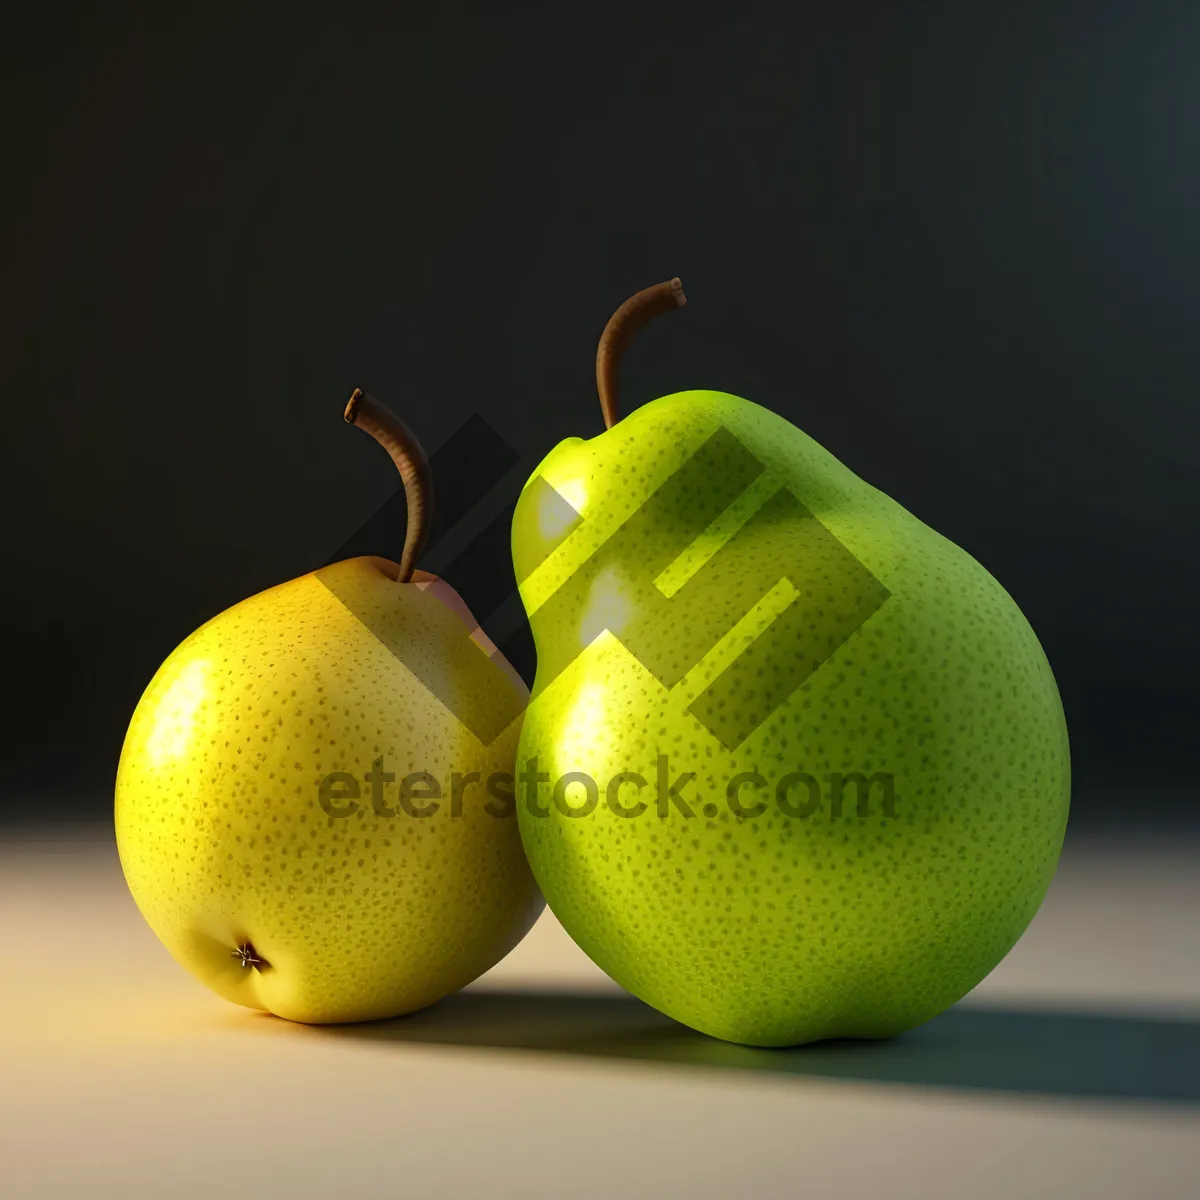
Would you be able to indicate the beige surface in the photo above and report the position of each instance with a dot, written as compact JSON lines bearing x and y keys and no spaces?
{"x":1073,"y":1071}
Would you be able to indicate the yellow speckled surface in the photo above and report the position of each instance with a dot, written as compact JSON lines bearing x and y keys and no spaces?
{"x":223,"y":837}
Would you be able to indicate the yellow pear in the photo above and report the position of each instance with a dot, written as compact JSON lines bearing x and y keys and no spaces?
{"x":314,"y":803}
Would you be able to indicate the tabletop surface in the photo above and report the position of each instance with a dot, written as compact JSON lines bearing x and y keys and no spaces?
{"x":1073,"y":1070}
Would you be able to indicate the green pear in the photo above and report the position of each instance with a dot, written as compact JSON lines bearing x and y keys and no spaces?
{"x":314,"y":806}
{"x":795,"y":766}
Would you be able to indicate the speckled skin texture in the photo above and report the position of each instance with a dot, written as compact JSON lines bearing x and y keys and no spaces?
{"x":222,"y":835}
{"x":776,"y":929}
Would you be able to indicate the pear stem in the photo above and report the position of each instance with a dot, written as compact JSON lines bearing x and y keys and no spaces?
{"x":363,"y":410}
{"x":622,"y":325}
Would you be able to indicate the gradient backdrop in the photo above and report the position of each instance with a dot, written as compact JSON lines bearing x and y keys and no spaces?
{"x":958,"y":244}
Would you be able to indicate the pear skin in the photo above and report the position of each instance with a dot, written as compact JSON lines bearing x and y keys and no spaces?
{"x":804,"y":766}
{"x":314,"y":798}
{"x":220,"y":825}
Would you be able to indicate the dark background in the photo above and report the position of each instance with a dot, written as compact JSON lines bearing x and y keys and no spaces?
{"x":958,"y":244}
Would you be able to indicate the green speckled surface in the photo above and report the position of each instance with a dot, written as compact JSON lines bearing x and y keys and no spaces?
{"x":913,"y":661}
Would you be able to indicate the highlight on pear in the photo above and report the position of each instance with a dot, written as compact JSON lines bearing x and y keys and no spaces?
{"x":267,"y":778}
{"x":733,"y":629}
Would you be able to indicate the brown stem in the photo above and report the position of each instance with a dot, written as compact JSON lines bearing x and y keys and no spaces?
{"x":363,"y":410}
{"x":622,"y":325}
